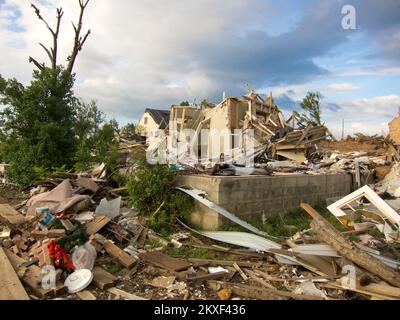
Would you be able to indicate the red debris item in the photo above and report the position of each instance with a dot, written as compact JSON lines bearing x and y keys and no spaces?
{"x":57,"y":253}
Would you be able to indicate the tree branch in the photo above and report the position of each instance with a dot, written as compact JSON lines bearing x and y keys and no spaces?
{"x":37,"y":64}
{"x":47,"y":51}
{"x":78,"y":41}
{"x":37,"y":11}
{"x":54,"y":50}
{"x":84,"y":39}
{"x":52,"y":53}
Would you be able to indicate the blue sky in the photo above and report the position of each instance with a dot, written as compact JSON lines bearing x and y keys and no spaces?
{"x":158,"y":52}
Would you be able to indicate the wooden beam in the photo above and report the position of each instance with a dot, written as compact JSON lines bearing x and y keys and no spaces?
{"x":10,"y":286}
{"x":242,"y":274}
{"x":224,"y":262}
{"x":348,"y":250}
{"x":86,"y":295}
{"x":124,"y":258}
{"x":124,"y":294}
{"x":103,"y":279}
{"x":11,"y":217}
{"x":259,"y":280}
{"x":166,"y":262}
{"x":260,"y":293}
{"x":32,"y":277}
{"x":97,"y":224}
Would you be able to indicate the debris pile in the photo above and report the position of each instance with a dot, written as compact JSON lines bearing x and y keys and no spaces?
{"x":276,"y":146}
{"x":74,"y":238}
{"x":221,"y":134}
{"x":75,"y":235}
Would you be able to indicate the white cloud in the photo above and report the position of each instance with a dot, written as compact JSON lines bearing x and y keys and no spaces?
{"x":370,"y":116}
{"x":153,"y":53}
{"x":376,"y":71}
{"x":343,"y":87}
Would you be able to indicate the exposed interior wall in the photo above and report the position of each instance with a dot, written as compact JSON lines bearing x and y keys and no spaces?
{"x":394,"y":130}
{"x":240,"y":128}
{"x":218,"y":139}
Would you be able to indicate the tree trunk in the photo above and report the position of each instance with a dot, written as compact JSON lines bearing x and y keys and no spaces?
{"x":348,"y":250}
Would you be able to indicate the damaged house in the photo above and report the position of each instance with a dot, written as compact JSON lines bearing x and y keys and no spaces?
{"x":239,"y":130}
{"x":153,"y":119}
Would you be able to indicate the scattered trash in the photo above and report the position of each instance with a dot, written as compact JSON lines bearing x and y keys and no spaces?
{"x":79,"y":280}
{"x":111,"y":209}
{"x":225,"y":294}
{"x":84,"y":257}
{"x":163,"y":282}
{"x":216,"y":269}
{"x":83,"y":225}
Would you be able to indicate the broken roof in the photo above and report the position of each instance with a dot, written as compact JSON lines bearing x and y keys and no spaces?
{"x":161,"y":117}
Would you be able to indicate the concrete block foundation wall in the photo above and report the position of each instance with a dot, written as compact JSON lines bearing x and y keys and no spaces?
{"x":250,"y":196}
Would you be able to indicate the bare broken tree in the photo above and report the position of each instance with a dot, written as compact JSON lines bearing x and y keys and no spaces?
{"x":78,"y":39}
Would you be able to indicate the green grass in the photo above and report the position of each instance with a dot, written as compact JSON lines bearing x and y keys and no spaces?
{"x":152,"y":243}
{"x":187,"y":251}
{"x":287,"y":225}
{"x":114,"y":267}
{"x":376,"y":234}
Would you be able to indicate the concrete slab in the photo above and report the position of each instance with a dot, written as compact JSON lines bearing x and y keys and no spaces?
{"x":249,"y":197}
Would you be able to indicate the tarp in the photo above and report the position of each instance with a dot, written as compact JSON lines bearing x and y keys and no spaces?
{"x":60,"y":199}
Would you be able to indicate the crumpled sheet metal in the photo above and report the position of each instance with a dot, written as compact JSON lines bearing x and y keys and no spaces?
{"x":246,"y":240}
{"x":200,"y":196}
{"x":242,"y":239}
{"x":57,"y":200}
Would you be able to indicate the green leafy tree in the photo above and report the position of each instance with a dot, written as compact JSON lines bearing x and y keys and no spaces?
{"x":152,"y":192}
{"x":106,"y":145}
{"x":185,"y":103}
{"x":38,"y":121}
{"x":129,"y":130}
{"x":312,"y":110}
{"x":205,"y":103}
{"x":95,"y":137}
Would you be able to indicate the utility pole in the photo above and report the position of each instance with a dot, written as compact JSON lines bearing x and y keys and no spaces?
{"x":343,"y":129}
{"x":293,"y":119}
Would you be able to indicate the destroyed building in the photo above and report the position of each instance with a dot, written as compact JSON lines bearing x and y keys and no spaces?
{"x":308,"y":261}
{"x":239,"y":130}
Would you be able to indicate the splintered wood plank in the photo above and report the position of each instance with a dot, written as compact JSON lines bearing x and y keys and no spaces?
{"x":124,"y":258}
{"x":260,"y":293}
{"x":211,"y":276}
{"x":324,"y":264}
{"x":237,"y":268}
{"x":124,"y":294}
{"x":345,"y":248}
{"x":32,"y":276}
{"x":11,"y":217}
{"x":103,"y":279}
{"x":97,"y":224}
{"x":88,"y":184}
{"x":86,"y":295}
{"x":10,"y":286}
{"x":166,"y":262}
